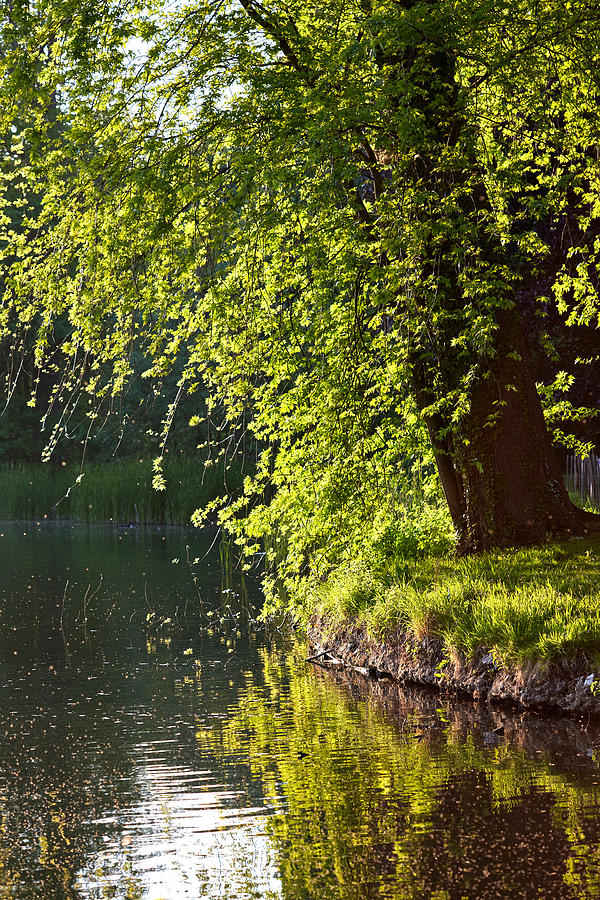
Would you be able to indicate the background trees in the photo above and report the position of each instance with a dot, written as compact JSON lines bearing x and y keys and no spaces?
{"x":334,"y":214}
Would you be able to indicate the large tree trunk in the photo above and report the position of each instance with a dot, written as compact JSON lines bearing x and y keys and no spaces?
{"x":497,"y":464}
{"x":499,"y":470}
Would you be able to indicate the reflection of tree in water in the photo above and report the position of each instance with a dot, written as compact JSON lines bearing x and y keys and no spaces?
{"x":478,"y":847}
{"x":414,"y":802}
{"x":362,"y":807}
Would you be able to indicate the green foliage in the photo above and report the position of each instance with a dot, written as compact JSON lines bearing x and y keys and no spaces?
{"x":307,"y":211}
{"x":421,"y":529}
{"x":558,"y":410}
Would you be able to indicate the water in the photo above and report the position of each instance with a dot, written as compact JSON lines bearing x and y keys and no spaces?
{"x":156,"y":745}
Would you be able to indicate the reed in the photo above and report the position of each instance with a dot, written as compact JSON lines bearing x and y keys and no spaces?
{"x":119,"y":491}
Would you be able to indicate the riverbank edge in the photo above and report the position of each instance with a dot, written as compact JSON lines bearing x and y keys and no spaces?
{"x":564,"y":685}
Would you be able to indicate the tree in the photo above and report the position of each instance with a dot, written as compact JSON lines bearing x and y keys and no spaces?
{"x":333,"y":211}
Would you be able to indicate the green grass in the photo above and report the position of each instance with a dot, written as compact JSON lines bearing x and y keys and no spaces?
{"x":530,"y":605}
{"x":119,"y":491}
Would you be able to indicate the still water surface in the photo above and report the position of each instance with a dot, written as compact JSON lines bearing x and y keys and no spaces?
{"x":202,"y":758}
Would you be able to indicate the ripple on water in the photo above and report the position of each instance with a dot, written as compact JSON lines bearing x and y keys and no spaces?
{"x":132,"y":769}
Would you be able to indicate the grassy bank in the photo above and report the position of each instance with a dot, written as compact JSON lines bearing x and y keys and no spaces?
{"x":119,"y":491}
{"x":531,"y":605}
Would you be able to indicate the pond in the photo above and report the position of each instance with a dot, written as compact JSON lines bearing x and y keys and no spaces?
{"x":157,"y":743}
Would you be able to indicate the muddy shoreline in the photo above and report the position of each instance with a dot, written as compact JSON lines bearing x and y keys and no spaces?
{"x":570,"y":686}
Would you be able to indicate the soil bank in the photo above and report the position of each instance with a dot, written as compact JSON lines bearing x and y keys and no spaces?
{"x":565,"y":685}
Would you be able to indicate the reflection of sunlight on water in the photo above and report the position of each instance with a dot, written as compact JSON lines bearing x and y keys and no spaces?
{"x":184,"y":838}
{"x":143,"y":771}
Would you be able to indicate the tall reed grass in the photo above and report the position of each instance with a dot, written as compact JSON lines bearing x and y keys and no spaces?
{"x":119,"y":491}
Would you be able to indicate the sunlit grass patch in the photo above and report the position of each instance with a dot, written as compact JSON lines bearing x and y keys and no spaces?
{"x":526,"y":605}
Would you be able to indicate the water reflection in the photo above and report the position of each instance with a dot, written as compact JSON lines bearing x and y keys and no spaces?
{"x":199,"y":758}
{"x":103,"y":790}
{"x":399,"y":793}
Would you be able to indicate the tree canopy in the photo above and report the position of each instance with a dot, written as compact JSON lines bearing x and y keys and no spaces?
{"x":333,"y":213}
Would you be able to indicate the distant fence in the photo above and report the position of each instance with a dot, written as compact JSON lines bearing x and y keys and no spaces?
{"x":583,"y":477}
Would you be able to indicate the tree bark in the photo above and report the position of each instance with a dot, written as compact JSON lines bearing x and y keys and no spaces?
{"x":499,"y":470}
